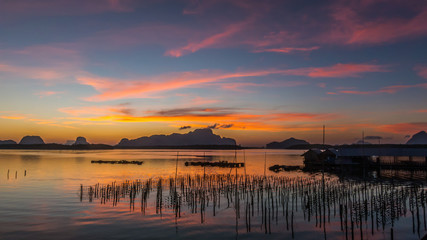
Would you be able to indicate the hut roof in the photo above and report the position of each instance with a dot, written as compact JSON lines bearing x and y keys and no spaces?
{"x":311,"y":151}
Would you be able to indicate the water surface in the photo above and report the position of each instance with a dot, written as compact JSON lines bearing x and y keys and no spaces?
{"x":40,"y":198}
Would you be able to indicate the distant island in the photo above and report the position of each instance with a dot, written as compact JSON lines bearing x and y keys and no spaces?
{"x":203,"y":136}
{"x":286,"y":144}
{"x":31,"y":140}
{"x":7,"y":142}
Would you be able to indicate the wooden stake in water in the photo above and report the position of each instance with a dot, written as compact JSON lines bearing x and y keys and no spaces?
{"x":176,"y":168}
{"x":244,"y":161}
{"x":204,"y":166}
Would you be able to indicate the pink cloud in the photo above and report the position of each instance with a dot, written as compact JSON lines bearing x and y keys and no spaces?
{"x":338,"y":70}
{"x":351,"y":26}
{"x":390,"y":30}
{"x":422,"y":71}
{"x":389,"y":89}
{"x":288,"y":49}
{"x":63,"y":7}
{"x":239,"y":86}
{"x":321,"y":85}
{"x":209,"y":41}
{"x":111,"y":89}
{"x":47,"y":93}
{"x":48,"y":63}
{"x":33,"y":72}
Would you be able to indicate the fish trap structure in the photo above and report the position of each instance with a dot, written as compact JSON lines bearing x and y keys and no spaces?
{"x":355,"y":209}
{"x":117,"y":162}
{"x":222,"y":164}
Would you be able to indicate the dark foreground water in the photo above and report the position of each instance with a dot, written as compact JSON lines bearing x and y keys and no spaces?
{"x":62,"y":195}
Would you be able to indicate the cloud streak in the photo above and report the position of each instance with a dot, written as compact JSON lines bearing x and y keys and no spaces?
{"x":403,"y":128}
{"x":288,"y":49}
{"x":388,"y":89}
{"x":210,"y":41}
{"x":422,"y":71}
{"x":113,"y":89}
{"x":224,"y":118}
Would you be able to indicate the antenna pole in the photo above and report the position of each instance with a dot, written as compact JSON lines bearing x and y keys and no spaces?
{"x":363,"y":137}
{"x":323,"y":136}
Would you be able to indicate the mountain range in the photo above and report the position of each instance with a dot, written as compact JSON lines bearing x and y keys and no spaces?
{"x":198,"y":137}
{"x":203,"y":136}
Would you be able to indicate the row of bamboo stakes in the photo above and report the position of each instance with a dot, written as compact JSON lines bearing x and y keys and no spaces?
{"x":362,"y":207}
{"x":16,"y":174}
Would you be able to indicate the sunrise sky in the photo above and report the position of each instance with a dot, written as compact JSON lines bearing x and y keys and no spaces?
{"x":257,"y":71}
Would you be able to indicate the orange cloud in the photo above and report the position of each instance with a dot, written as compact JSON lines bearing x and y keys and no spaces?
{"x":403,"y":128}
{"x":13,"y":117}
{"x":96,"y":110}
{"x":248,"y":122}
{"x":232,"y":118}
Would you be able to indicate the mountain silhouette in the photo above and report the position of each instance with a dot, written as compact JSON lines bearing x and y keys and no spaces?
{"x":80,"y":141}
{"x":29,"y":140}
{"x":287,"y":143}
{"x":8,"y":142}
{"x":418,"y":138}
{"x":203,"y":136}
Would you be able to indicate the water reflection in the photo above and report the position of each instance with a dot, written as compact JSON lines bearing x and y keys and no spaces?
{"x":343,"y":209}
{"x":30,"y":158}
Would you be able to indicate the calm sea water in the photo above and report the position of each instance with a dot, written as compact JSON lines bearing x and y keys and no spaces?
{"x":40,"y":198}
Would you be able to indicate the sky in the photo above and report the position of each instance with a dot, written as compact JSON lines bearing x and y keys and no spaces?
{"x":256,"y":71}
